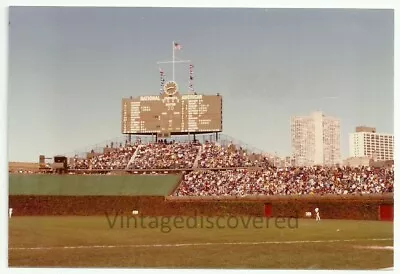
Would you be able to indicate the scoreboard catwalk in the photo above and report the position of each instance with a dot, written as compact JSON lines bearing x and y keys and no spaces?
{"x":172,"y":113}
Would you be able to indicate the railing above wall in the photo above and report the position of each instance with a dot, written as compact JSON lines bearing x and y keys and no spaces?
{"x":370,"y":197}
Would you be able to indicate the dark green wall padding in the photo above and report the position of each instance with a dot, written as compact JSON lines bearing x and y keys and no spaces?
{"x":92,"y":185}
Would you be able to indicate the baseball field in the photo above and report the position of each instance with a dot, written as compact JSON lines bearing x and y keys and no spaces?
{"x":119,"y":238}
{"x":99,"y":242}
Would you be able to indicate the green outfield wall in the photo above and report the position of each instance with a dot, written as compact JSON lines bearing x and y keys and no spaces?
{"x":92,"y":185}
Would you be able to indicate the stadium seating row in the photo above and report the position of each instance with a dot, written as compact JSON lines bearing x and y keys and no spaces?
{"x":287,"y":181}
{"x":238,"y":179}
{"x":170,"y":156}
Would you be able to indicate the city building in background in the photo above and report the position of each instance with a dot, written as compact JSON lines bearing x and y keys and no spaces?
{"x":358,"y":161}
{"x":315,"y":140}
{"x":282,"y":162}
{"x":366,"y":142}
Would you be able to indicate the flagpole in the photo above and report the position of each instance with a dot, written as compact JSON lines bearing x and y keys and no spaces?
{"x":173,"y":60}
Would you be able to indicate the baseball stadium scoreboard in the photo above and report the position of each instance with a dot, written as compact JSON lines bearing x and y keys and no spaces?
{"x":172,"y":113}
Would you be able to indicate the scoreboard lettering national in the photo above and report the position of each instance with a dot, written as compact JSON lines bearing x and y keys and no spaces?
{"x":172,"y":113}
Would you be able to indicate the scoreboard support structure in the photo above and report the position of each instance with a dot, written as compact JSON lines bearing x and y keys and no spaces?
{"x":156,"y":137}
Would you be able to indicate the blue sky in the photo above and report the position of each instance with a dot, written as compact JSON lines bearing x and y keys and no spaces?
{"x":70,"y":67}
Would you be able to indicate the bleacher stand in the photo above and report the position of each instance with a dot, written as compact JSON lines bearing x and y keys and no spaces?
{"x":163,"y":155}
{"x":287,"y":181}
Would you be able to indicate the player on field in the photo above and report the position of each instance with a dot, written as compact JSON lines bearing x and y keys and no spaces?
{"x":317,"y":217}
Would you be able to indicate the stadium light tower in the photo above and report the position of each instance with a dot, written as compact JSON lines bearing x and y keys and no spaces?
{"x":175,"y":46}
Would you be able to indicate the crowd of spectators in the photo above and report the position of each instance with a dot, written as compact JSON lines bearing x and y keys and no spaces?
{"x":166,"y":155}
{"x":287,"y":181}
{"x":171,"y":155}
{"x":240,"y":179}
{"x":113,"y":158}
{"x":214,"y":155}
{"x":23,"y":171}
{"x":241,"y":173}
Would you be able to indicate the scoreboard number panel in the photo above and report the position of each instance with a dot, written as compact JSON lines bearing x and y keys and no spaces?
{"x":172,"y":113}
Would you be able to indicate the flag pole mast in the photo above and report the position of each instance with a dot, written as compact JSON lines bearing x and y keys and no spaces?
{"x":173,"y":60}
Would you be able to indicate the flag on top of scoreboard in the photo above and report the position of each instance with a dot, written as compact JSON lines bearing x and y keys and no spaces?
{"x":177,"y":46}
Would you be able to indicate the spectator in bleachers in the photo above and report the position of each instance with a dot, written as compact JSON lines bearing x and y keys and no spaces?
{"x":216,"y":156}
{"x":287,"y":181}
{"x":164,"y":155}
{"x":171,"y":155}
{"x":115,"y":158}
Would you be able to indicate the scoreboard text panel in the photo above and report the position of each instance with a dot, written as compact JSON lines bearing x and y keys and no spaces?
{"x":173,"y":114}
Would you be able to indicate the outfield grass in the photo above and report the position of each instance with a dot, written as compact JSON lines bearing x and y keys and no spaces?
{"x":92,"y":185}
{"x":93,"y":243}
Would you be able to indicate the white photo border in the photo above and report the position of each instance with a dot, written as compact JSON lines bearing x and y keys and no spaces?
{"x":343,"y":4}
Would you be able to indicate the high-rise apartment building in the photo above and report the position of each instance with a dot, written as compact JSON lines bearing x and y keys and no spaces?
{"x":315,"y":140}
{"x":365,"y":142}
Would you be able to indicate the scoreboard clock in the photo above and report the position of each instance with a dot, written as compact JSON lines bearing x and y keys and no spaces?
{"x":171,"y":88}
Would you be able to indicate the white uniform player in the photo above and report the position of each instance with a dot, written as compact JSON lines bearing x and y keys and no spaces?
{"x":10,"y":210}
{"x":317,"y":217}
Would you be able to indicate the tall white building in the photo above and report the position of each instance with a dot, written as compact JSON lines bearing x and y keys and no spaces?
{"x":315,"y":140}
{"x":365,"y":142}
